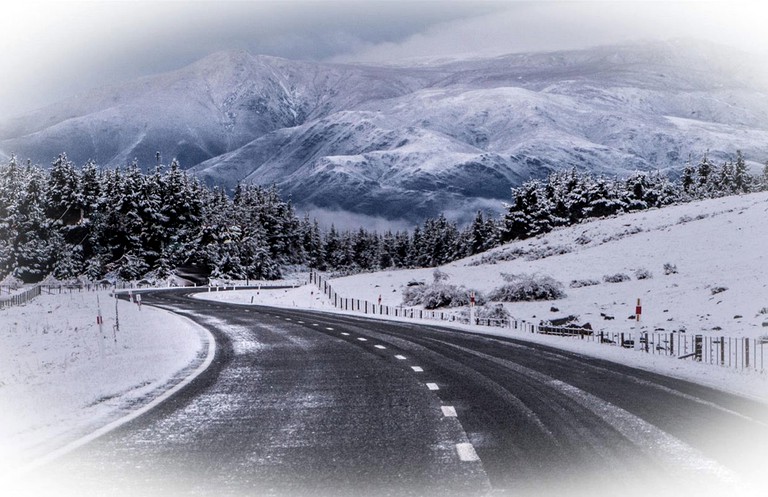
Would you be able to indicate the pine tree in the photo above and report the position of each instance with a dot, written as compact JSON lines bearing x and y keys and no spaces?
{"x":34,"y":254}
{"x":688,"y":179}
{"x":742,"y":181}
{"x":704,"y":182}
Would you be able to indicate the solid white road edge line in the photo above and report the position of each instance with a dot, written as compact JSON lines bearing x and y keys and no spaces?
{"x":52,"y":456}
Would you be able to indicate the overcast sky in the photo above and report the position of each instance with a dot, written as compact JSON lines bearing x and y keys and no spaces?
{"x":51,"y":50}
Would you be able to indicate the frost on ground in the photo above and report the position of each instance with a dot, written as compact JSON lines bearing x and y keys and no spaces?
{"x":698,"y":268}
{"x":59,"y":380}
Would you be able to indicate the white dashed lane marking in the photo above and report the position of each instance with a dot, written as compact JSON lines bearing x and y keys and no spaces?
{"x":449,"y":411}
{"x":401,"y":357}
{"x":331,"y":329}
{"x":343,"y":333}
{"x":362,"y":339}
{"x":433,"y":386}
{"x":380,"y":346}
{"x":466,"y":452}
{"x":418,"y":369}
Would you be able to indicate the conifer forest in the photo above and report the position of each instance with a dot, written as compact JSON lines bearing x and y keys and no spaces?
{"x":67,"y":222}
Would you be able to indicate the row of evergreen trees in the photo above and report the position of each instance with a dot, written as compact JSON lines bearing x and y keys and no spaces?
{"x":568,"y":197}
{"x":125,"y":224}
{"x":69,"y":222}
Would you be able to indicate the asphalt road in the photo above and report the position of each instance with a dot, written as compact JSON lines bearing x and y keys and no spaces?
{"x":303,"y":403}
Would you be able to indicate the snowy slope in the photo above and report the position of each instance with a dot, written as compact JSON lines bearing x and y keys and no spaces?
{"x":408,"y":142}
{"x":59,"y":382}
{"x":713,"y":243}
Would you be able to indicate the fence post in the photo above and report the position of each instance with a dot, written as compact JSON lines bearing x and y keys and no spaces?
{"x":746,"y":353}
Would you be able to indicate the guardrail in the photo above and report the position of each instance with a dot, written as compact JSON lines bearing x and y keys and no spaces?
{"x":738,"y":353}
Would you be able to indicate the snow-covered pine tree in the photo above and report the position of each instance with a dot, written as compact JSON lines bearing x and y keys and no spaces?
{"x":704,"y":184}
{"x":742,"y":180}
{"x":603,"y":199}
{"x":387,"y":251}
{"x":34,"y":255}
{"x":688,"y":179}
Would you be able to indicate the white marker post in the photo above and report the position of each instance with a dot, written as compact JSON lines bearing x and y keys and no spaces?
{"x":638,"y":312}
{"x":100,"y":322}
{"x":138,"y":300}
{"x":472,"y":308}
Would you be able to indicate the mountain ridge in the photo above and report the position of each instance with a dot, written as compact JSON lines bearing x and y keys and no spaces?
{"x":414,"y":141}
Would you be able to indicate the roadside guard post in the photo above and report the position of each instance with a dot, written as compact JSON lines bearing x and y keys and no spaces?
{"x":100,"y":322}
{"x":638,"y":312}
{"x":472,"y":308}
{"x":138,"y":300}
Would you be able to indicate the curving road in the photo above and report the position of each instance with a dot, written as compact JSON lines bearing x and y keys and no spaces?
{"x":304,"y":403}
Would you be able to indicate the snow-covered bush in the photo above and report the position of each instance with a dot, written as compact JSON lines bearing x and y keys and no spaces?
{"x":439,"y":295}
{"x":439,"y":276}
{"x":462,"y":297}
{"x":414,"y":295}
{"x":643,"y":274}
{"x":12,"y":282}
{"x":537,"y":253}
{"x":670,"y":268}
{"x":495,"y":311}
{"x":528,"y":288}
{"x":616,"y":278}
{"x":583,"y":283}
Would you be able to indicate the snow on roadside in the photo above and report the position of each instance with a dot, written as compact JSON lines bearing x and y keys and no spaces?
{"x":60,"y":381}
{"x":714,"y":244}
{"x":307,"y":297}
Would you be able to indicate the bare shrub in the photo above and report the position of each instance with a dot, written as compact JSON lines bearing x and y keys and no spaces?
{"x":643,"y":274}
{"x":616,"y":278}
{"x":583,"y":283}
{"x":669,"y":268}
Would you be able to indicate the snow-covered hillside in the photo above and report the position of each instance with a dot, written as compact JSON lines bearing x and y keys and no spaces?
{"x":409,"y":142}
{"x":713,"y":244}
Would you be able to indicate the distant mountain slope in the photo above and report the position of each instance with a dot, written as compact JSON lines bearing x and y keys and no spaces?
{"x":408,"y":142}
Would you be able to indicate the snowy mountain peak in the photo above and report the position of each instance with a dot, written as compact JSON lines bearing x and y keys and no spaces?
{"x":419,"y":139}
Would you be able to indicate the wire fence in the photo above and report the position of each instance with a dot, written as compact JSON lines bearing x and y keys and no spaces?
{"x":20,"y":298}
{"x":733,"y":352}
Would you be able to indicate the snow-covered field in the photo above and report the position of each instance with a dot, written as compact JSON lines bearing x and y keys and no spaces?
{"x":60,"y":381}
{"x":714,"y":245}
{"x":718,"y":243}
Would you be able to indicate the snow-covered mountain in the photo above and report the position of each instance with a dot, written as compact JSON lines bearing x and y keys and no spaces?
{"x":408,"y":142}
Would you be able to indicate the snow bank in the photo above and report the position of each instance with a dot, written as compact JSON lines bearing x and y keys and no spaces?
{"x":60,"y":381}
